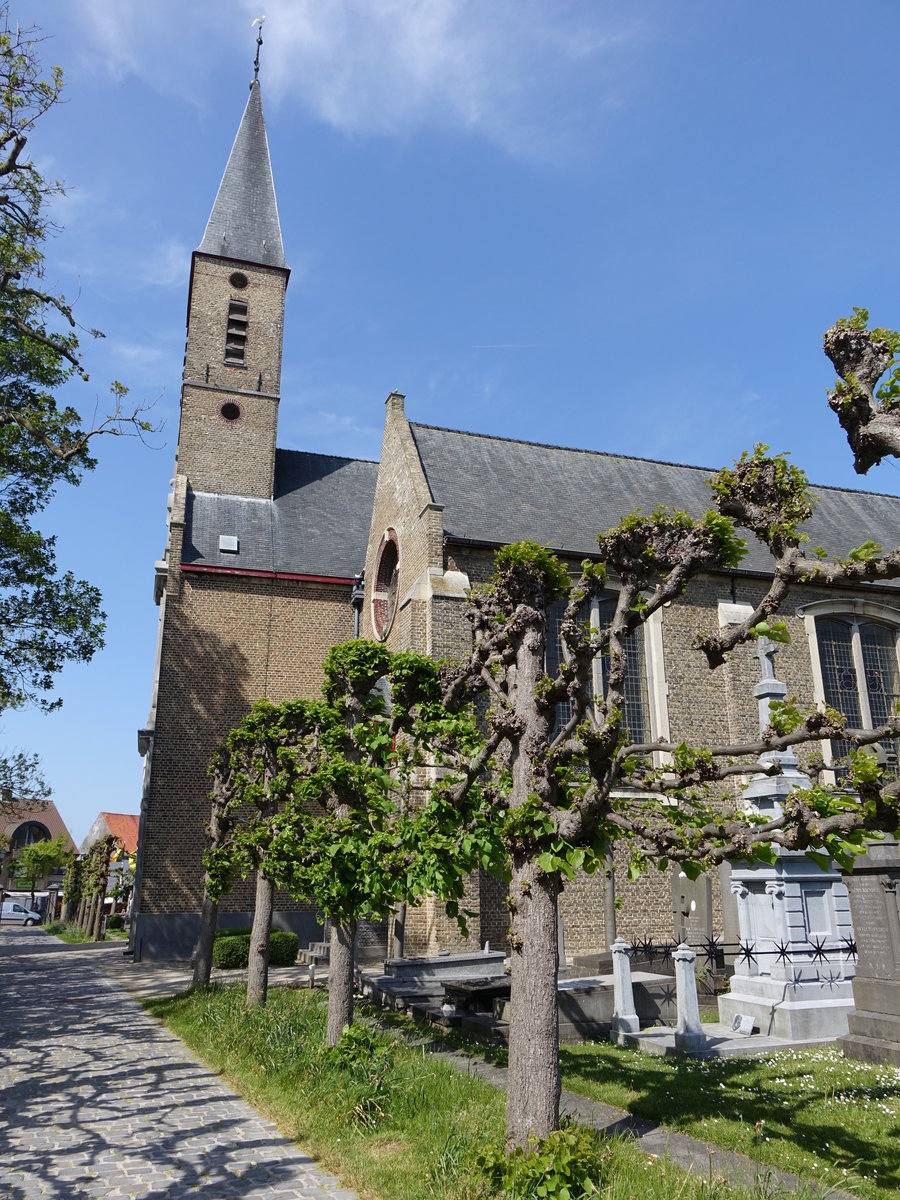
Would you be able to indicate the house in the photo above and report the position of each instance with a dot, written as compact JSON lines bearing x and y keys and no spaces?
{"x":22,"y":823}
{"x":124,"y":828}
{"x":266,"y":547}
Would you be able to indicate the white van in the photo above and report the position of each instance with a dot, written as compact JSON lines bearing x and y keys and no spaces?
{"x":15,"y":913}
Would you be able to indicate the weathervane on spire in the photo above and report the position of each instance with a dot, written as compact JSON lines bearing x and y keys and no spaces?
{"x":258,"y":23}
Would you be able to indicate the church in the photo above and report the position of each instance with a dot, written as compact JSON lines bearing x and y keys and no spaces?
{"x":273,"y":555}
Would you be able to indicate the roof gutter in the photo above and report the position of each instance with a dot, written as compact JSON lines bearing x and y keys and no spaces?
{"x":204,"y":569}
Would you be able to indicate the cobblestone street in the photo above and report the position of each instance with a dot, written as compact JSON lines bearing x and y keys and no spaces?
{"x":98,"y":1100}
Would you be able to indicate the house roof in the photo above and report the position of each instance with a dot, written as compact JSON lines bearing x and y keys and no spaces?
{"x":498,"y":490}
{"x":244,"y":220}
{"x":316,"y":524}
{"x":123,"y":827}
{"x":45,"y":814}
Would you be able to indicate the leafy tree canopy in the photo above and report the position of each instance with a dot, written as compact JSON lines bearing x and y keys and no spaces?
{"x":47,"y":618}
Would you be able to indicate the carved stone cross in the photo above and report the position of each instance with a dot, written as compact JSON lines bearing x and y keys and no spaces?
{"x":765,"y":652}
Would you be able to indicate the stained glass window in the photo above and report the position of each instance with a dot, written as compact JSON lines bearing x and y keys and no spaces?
{"x":860,"y":678}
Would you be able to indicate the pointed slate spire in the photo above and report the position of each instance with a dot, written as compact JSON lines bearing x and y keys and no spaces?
{"x":244,"y":220}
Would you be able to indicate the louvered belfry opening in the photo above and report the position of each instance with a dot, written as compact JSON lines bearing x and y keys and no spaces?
{"x":236,"y":335}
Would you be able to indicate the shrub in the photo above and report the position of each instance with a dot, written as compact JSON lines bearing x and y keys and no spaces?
{"x":232,"y":931}
{"x":283,"y":948}
{"x":567,"y":1165}
{"x":116,"y":921}
{"x":232,"y":950}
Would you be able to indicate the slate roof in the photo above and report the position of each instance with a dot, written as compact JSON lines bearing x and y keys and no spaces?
{"x":317,"y":523}
{"x":496,"y":490}
{"x":244,"y":220}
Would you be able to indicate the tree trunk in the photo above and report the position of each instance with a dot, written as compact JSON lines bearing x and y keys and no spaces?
{"x":340,"y":980}
{"x":203,"y":955}
{"x":87,"y":921}
{"x":399,"y":935}
{"x":82,"y":905}
{"x":97,"y":933}
{"x":609,"y":898}
{"x":532,"y":1104}
{"x":258,"y":966}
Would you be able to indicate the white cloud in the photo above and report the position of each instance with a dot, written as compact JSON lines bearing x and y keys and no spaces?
{"x":503,"y":70}
{"x":165,"y":265}
{"x":531,"y":77}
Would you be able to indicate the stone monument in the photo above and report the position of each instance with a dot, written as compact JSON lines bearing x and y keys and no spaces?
{"x":874,"y":1034}
{"x":795,"y":962}
{"x":624,"y":1018}
{"x":689,"y":1035}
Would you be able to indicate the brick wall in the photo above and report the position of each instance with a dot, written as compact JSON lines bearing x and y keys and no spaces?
{"x":235,"y":457}
{"x":228,"y":641}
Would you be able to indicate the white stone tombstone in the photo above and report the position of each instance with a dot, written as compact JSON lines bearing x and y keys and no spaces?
{"x":624,"y":1018}
{"x":689,"y":1035}
{"x":792,"y":971}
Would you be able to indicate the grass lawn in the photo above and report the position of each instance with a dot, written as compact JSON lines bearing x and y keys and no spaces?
{"x":394,"y":1122}
{"x":74,"y":935}
{"x":811,"y":1112}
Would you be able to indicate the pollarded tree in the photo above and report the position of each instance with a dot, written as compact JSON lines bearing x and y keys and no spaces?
{"x":354,"y":839}
{"x":94,"y":880}
{"x":866,"y":397}
{"x":255,"y":772}
{"x":575,"y":789}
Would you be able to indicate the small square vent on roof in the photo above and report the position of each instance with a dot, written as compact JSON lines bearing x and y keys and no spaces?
{"x":228,"y":543}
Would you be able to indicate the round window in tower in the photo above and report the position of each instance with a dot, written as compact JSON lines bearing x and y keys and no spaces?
{"x":387,"y":581}
{"x":238,"y":279}
{"x":230,"y":412}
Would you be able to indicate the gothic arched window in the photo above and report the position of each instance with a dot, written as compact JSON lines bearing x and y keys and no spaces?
{"x":30,"y":831}
{"x":637,"y":698}
{"x":858,"y":660}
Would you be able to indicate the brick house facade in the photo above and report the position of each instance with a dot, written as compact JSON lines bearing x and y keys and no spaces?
{"x":264,"y":545}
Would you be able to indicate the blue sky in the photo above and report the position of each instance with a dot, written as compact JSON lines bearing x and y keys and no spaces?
{"x":618,"y":226}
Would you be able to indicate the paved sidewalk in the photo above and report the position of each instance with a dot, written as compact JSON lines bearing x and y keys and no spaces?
{"x":98,"y":1100}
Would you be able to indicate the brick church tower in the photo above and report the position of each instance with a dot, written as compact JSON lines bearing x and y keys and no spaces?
{"x":235,"y":326}
{"x":262,"y":552}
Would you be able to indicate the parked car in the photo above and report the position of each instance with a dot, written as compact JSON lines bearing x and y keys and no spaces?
{"x":16,"y":913}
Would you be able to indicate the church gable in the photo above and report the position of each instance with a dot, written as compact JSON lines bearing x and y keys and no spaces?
{"x":405,"y":547}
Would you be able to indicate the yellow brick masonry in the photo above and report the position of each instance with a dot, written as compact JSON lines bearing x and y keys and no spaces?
{"x":231,"y":457}
{"x":228,"y":640}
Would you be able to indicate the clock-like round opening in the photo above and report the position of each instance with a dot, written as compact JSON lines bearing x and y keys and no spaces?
{"x":229,"y":411}
{"x":387,"y":582}
{"x":238,"y":279}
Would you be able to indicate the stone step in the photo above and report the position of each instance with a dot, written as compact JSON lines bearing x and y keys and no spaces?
{"x":310,"y":956}
{"x":869,"y":1049}
{"x":459,"y":966}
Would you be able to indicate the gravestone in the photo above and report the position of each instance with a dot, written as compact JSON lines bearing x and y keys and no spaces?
{"x":689,"y":1035}
{"x":692,"y":910}
{"x":795,"y":965}
{"x":874,"y":885}
{"x":624,"y":1018}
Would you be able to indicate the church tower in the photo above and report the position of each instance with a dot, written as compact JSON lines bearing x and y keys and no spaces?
{"x":235,"y":323}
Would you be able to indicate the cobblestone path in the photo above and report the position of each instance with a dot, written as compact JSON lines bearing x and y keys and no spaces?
{"x":98,"y":1100}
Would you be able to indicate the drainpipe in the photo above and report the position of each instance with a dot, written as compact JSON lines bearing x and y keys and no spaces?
{"x":357,"y":595}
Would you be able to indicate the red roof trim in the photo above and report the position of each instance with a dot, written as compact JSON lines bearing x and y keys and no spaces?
{"x":202,"y":568}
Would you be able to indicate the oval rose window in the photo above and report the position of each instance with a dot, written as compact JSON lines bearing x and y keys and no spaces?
{"x":387,"y":578}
